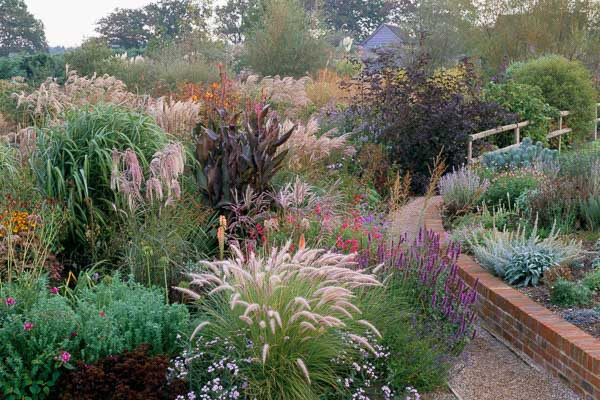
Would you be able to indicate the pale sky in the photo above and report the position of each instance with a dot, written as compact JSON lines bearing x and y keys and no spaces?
{"x":68,"y":22}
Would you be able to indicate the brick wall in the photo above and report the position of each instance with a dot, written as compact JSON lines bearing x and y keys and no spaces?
{"x":529,"y":328}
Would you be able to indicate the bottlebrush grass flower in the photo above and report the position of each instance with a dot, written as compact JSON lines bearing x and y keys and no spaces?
{"x":308,"y":293}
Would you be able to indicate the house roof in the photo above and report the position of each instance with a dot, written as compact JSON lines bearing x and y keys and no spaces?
{"x":396,"y":30}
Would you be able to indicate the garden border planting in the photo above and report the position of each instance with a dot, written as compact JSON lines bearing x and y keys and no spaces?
{"x":530,"y":329}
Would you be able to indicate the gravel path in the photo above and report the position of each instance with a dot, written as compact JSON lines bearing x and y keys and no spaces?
{"x":488,"y":370}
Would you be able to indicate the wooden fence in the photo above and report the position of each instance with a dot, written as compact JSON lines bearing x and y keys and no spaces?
{"x":516,"y":128}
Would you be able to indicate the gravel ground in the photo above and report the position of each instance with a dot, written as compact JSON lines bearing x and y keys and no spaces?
{"x":490,"y":371}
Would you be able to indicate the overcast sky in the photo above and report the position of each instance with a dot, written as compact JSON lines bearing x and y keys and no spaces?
{"x":68,"y":22}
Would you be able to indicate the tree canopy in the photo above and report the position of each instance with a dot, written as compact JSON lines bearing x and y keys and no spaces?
{"x":164,"y":20}
{"x":19,"y":29}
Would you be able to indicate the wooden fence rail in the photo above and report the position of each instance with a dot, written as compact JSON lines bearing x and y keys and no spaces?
{"x":516,"y":128}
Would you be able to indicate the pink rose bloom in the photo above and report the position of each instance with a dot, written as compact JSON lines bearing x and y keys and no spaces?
{"x":54,"y":290}
{"x":65,"y":357}
{"x":10,"y":301}
{"x":28,"y":326}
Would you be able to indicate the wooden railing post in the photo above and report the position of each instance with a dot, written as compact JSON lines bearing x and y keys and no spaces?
{"x":517,"y":134}
{"x":560,"y":123}
{"x":470,"y":151}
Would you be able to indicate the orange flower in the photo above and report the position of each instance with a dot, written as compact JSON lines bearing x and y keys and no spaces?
{"x":194,"y":98}
{"x":301,"y":242}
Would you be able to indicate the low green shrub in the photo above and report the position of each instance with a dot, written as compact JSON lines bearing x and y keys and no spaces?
{"x":43,"y":333}
{"x":568,"y":294}
{"x":526,"y":268}
{"x":36,"y":329}
{"x":592,"y":280}
{"x":506,"y":189}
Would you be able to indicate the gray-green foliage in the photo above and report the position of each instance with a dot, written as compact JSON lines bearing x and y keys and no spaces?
{"x":526,"y":267}
{"x":527,"y":154}
{"x":522,"y":258}
{"x":117,"y":316}
{"x":73,"y":165}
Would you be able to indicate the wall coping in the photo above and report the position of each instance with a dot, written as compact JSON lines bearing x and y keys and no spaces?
{"x":530,"y":329}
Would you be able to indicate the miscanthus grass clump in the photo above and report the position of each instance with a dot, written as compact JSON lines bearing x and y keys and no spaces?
{"x":287,"y":315}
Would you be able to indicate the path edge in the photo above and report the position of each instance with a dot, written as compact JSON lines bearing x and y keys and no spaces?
{"x":528,"y":328}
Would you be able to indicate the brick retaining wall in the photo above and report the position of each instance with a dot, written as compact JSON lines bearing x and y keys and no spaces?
{"x":529,"y":328}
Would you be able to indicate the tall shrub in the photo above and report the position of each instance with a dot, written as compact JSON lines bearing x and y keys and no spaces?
{"x":73,"y":163}
{"x":282,"y":44}
{"x":417,"y":114}
{"x":565,"y":84}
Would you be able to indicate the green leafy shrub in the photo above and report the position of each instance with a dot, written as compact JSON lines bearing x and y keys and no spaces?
{"x":35,"y":329}
{"x":461,"y":189}
{"x":528,"y":103}
{"x":592,"y":279}
{"x":43,"y":333}
{"x":506,"y":189}
{"x":73,"y":163}
{"x":117,"y":316}
{"x":565,"y":85}
{"x":93,"y":56}
{"x":526,"y":155}
{"x":569,"y":294}
{"x":524,"y":256}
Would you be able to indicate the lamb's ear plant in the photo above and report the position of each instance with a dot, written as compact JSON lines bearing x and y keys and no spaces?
{"x":285,"y":313}
{"x":521,"y":257}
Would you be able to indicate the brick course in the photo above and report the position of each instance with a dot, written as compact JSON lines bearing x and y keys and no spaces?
{"x":530,"y":329}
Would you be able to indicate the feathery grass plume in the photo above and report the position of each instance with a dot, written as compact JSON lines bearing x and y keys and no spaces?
{"x":436,"y":172}
{"x":305,"y":147}
{"x":179,"y":118}
{"x":399,"y":192}
{"x":325,"y":89}
{"x":278,"y":90}
{"x":291,"y":305}
{"x":51,"y":99}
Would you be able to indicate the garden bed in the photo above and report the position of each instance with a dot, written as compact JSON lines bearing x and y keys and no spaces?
{"x":532,"y":330}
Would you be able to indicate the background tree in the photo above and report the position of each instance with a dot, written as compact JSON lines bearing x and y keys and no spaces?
{"x":19,"y":29}
{"x":173,"y":19}
{"x":235,"y":18}
{"x":125,"y":28}
{"x":358,"y":18}
{"x":282,"y":44}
